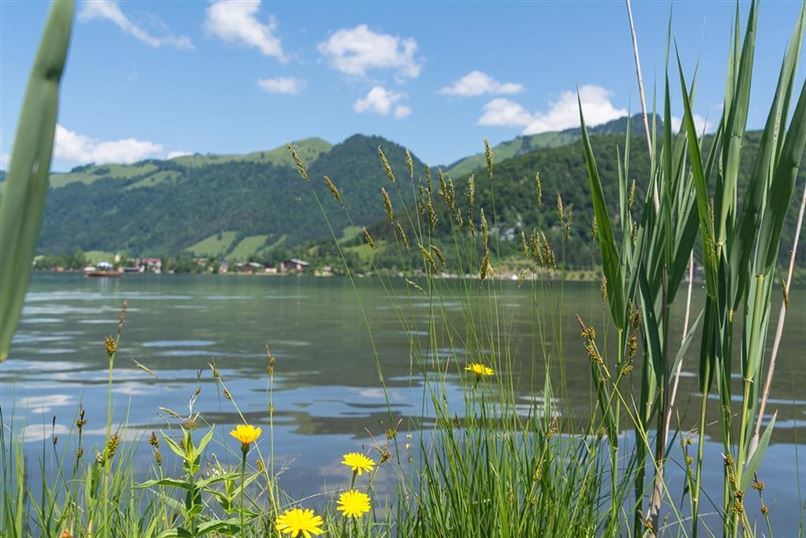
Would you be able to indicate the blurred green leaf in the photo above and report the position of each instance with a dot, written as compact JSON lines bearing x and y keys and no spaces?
{"x":27,"y":179}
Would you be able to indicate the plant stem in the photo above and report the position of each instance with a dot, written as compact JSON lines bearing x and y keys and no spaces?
{"x":778,"y":330}
{"x":244,"y":450}
{"x":655,"y":198}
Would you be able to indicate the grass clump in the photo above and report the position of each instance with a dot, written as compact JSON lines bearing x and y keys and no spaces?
{"x":498,"y":451}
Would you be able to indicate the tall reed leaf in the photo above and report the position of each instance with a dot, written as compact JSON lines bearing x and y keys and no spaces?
{"x":700,"y":187}
{"x":610,"y":258}
{"x":27,"y":179}
{"x":783,"y":183}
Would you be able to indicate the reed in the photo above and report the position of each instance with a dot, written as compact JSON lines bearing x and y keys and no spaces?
{"x":693,"y":191}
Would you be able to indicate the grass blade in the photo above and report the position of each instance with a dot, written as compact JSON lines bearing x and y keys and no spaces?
{"x":610,"y":258}
{"x":27,"y":181}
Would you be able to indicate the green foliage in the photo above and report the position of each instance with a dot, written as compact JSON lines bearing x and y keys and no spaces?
{"x":247,"y":197}
{"x":734,"y":192}
{"x":215,"y":245}
{"x":70,"y":261}
{"x":26,"y":186}
{"x":563,"y":171}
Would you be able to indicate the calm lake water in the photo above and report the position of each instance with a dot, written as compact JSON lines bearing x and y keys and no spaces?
{"x":326,"y":391}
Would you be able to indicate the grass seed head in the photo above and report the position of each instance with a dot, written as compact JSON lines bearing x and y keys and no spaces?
{"x":368,"y":239}
{"x":387,"y":168}
{"x":111,"y":345}
{"x":402,"y":233}
{"x":488,"y":156}
{"x":298,"y":163}
{"x":333,"y":189}
{"x":112,"y":446}
{"x":387,"y":205}
{"x":470,"y":193}
{"x":538,"y":191}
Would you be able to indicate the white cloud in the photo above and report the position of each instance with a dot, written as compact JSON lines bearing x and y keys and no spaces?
{"x":478,"y":83}
{"x":700,"y":124}
{"x":178,"y":153}
{"x":401,"y":111}
{"x":383,"y":102}
{"x":285,"y":85}
{"x":562,"y":113}
{"x":109,"y":10}
{"x":355,"y":51}
{"x":80,"y":148}
{"x":505,"y":113}
{"x":236,"y":21}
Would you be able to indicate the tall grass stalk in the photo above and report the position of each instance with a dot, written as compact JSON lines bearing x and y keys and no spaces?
{"x":739,"y":253}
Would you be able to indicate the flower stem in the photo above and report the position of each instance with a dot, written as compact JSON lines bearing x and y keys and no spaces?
{"x":244,"y":450}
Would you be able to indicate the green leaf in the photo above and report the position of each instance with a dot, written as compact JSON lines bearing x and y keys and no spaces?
{"x":172,"y":482}
{"x":755,"y":460}
{"x":701,"y":189}
{"x":607,"y":245}
{"x":735,"y":121}
{"x":27,"y":179}
{"x":755,"y":196}
{"x":783,"y":183}
{"x":687,"y":342}
{"x":218,"y":478}
{"x":177,"y":532}
{"x":651,"y":326}
{"x":217,"y":525}
{"x":176,"y":449}
{"x":205,"y":440}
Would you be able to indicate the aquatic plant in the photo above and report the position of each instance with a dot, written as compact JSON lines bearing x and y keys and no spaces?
{"x":693,"y":191}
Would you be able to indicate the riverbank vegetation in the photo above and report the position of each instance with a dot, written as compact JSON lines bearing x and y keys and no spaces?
{"x":497,"y":452}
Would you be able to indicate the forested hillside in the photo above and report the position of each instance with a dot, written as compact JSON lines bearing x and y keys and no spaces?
{"x":175,"y":205}
{"x":247,"y":206}
{"x":563,"y":172}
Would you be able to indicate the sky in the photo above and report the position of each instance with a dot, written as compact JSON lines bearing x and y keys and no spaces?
{"x":155,"y":79}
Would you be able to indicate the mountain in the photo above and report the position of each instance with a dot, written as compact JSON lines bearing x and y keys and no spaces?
{"x":256,"y":204}
{"x":217,"y":205}
{"x":149,"y":171}
{"x":528,"y":143}
{"x":563,"y":172}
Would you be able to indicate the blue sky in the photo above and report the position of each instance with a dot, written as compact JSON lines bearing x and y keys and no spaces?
{"x":154,"y":79}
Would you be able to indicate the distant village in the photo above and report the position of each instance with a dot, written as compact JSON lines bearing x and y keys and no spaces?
{"x":119,"y":266}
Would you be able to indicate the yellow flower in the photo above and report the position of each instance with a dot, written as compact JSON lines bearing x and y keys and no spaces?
{"x":246,"y":434}
{"x":299,"y":521}
{"x":353,"y":504}
{"x":479,"y":369}
{"x":358,"y":462}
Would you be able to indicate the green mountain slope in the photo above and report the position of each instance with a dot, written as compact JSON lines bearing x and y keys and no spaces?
{"x":213,"y":207}
{"x":528,"y":143}
{"x":563,"y":172}
{"x":309,"y":149}
{"x":150,"y":172}
{"x":238,"y":206}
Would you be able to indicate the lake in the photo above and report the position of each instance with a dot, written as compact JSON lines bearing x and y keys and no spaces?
{"x":326,"y":393}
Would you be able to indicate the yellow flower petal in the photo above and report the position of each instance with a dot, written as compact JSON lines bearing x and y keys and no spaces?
{"x":353,"y":504}
{"x":246,"y":434}
{"x":358,"y":462}
{"x":479,"y":369}
{"x":298,"y":521}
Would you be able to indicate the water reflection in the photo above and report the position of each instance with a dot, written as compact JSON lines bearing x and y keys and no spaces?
{"x":326,"y":393}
